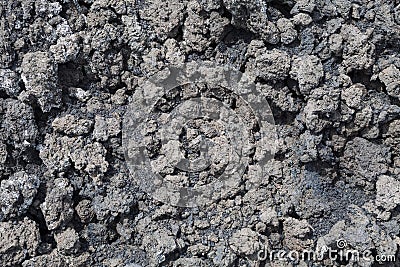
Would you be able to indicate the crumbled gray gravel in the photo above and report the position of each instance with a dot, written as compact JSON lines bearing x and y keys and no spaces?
{"x":70,"y":69}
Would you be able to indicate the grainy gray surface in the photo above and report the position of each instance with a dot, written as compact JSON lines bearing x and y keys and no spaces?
{"x":330,"y":70}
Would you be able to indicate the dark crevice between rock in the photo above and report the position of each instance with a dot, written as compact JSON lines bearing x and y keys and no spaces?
{"x":35,"y":214}
{"x":43,"y":119}
{"x":126,"y":52}
{"x":19,"y":160}
{"x":31,"y":156}
{"x":395,"y":101}
{"x":177,"y":32}
{"x":292,"y":213}
{"x":3,"y":95}
{"x":72,"y":74}
{"x":113,"y":89}
{"x":224,"y":12}
{"x":364,"y":77}
{"x":173,"y":256}
{"x":112,"y":227}
{"x":282,"y":117}
{"x":283,"y":6}
{"x":65,"y":8}
{"x":86,"y":4}
{"x":233,"y":35}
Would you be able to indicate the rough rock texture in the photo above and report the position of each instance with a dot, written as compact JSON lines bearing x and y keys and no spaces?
{"x":39,"y":74}
{"x":17,"y":194}
{"x":330,"y":70}
{"x":18,"y":241}
{"x":57,"y":207}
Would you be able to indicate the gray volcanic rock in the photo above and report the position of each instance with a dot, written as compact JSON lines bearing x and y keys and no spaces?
{"x":17,"y":194}
{"x":19,"y":241}
{"x":97,"y":152}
